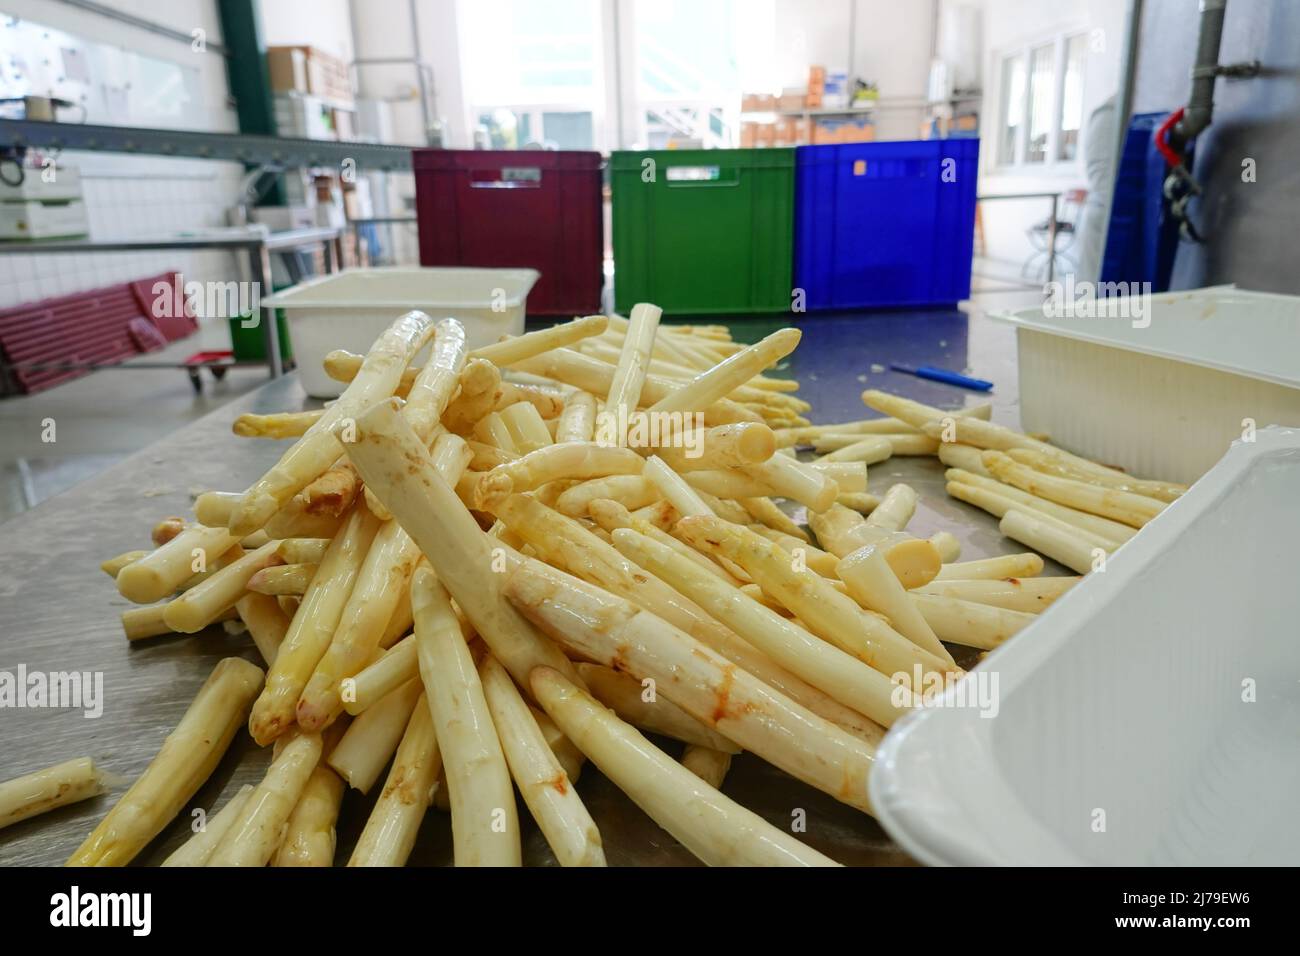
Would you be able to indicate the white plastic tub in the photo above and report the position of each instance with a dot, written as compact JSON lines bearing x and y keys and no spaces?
{"x":1165,"y":400}
{"x":350,"y":309}
{"x":1160,"y":699}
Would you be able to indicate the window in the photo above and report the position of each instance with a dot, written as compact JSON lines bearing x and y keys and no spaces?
{"x":1042,"y":103}
{"x":1067,"y":143}
{"x":534,"y":72}
{"x":1013,"y":107}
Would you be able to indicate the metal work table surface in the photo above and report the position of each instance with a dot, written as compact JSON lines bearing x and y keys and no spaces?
{"x":59,"y":612}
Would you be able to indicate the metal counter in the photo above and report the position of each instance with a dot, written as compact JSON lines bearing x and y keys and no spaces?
{"x":59,"y":612}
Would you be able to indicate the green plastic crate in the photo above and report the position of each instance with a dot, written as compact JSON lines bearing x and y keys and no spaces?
{"x":248,"y":344}
{"x":703,"y":231}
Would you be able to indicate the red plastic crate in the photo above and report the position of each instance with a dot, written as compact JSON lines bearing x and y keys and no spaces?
{"x":537,"y":209}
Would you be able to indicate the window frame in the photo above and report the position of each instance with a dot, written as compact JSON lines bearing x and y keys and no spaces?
{"x":1023,"y":51}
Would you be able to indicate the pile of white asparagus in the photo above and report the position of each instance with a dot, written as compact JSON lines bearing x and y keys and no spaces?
{"x":479,"y":584}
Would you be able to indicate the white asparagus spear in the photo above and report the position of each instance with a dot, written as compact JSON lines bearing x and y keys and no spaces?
{"x":391,"y":829}
{"x":872,"y":583}
{"x":850,"y":477}
{"x":388,"y":672}
{"x":187,"y":757}
{"x":719,"y":381}
{"x":766,"y":511}
{"x":708,"y":764}
{"x":714,"y":828}
{"x":258,"y":829}
{"x":842,"y":531}
{"x":1062,"y":468}
{"x":723,"y":446}
{"x":822,"y":562}
{"x":214,"y":508}
{"x":822,"y":664}
{"x":895,"y":509}
{"x":1017,"y":594}
{"x":48,"y":789}
{"x":608,"y":629}
{"x":312,"y":628}
{"x":369,"y":742}
{"x":267,"y":624}
{"x":202,"y":604}
{"x":480,"y":386}
{"x":163,"y":570}
{"x":543,"y":783}
{"x":868,"y":449}
{"x":631,"y":491}
{"x":1112,"y":531}
{"x":526,"y":427}
{"x":833,"y":616}
{"x":626,"y":696}
{"x":1124,"y":506}
{"x":1057,"y":542}
{"x":1027,"y":565}
{"x":310,"y":838}
{"x":624,"y":394}
{"x":669,"y":484}
{"x":946,"y":543}
{"x":394,"y":463}
{"x":578,"y":420}
{"x":198,"y":849}
{"x":967,"y":457}
{"x":511,"y":350}
{"x":302,"y":550}
{"x":968,"y":623}
{"x":278,"y":425}
{"x":485,"y":829}
{"x":279,"y":579}
{"x":592,"y":375}
{"x":317,"y":450}
{"x":862,"y":503}
{"x":567,"y":460}
{"x":610,"y":515}
{"x":139,"y":623}
{"x":566,"y":544}
{"x":1000,"y":438}
{"x":998,"y":504}
{"x":915,"y":413}
{"x":113,"y":566}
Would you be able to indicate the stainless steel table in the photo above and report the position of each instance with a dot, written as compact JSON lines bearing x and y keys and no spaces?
{"x":59,"y":612}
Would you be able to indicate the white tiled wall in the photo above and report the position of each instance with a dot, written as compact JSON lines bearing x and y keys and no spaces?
{"x":129,"y":198}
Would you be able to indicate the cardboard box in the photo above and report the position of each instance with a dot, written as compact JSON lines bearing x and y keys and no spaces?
{"x":765,"y":134}
{"x":305,"y":69}
{"x":748,"y":135}
{"x":757,"y":103}
{"x":792,"y":100}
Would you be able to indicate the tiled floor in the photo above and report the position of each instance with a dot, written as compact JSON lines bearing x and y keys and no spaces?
{"x":101,"y":418}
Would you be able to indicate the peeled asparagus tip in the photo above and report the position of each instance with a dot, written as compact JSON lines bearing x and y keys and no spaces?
{"x":491,"y":490}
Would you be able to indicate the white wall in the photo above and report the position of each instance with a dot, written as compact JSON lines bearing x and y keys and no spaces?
{"x":1013,"y":24}
{"x":130,"y":196}
{"x":324,"y":24}
{"x":889,"y":44}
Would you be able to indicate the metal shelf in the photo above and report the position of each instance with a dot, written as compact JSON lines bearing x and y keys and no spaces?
{"x":237,"y":147}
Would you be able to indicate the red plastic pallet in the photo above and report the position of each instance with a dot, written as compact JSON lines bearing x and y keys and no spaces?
{"x":536,"y":209}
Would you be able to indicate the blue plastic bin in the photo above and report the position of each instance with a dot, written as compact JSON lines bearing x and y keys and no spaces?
{"x":885,"y":224}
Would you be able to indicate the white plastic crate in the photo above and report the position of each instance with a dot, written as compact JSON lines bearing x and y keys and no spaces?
{"x":1151,"y":716}
{"x":350,"y":309}
{"x":1161,"y":401}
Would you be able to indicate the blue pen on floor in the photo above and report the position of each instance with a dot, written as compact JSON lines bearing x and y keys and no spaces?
{"x":943,"y":375}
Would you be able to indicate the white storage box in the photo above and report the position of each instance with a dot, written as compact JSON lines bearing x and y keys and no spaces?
{"x":40,"y":220}
{"x":350,"y":309}
{"x":65,"y":186}
{"x":1151,"y":716}
{"x":1162,"y":400}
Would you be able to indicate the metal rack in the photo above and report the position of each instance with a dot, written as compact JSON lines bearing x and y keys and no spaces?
{"x":272,"y":151}
{"x":256,"y":243}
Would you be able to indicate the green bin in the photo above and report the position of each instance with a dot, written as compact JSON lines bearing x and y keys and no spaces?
{"x":249,"y":345}
{"x":703,"y":231}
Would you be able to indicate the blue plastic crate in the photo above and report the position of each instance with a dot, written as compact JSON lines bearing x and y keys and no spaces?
{"x":885,"y":224}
